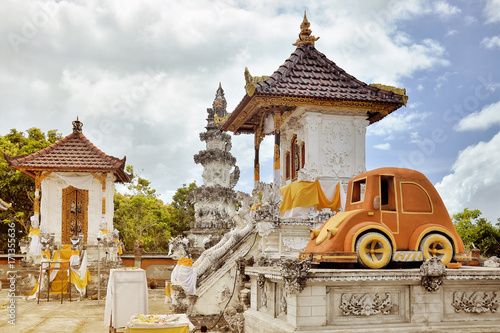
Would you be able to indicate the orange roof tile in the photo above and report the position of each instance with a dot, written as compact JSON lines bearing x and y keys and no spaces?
{"x":72,"y":153}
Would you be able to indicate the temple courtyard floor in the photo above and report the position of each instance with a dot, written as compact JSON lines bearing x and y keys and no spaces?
{"x":75,"y":316}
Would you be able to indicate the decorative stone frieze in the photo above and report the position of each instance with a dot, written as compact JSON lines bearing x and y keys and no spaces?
{"x":294,"y":272}
{"x":214,"y":193}
{"x":205,"y":157}
{"x":261,"y":281}
{"x":365,"y":305}
{"x":475,"y":302}
{"x":433,"y":273}
{"x":215,"y":135}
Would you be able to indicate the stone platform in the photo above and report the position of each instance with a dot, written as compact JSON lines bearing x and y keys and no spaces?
{"x":354,"y":300}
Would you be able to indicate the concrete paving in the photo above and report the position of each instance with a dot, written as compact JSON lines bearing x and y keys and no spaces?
{"x":75,"y":316}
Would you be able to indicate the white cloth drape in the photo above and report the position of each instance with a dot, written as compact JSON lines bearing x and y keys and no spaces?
{"x":35,"y":245}
{"x":74,"y":261}
{"x":185,"y":276}
{"x":82,"y":182}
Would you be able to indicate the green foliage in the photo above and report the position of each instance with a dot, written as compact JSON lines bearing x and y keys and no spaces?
{"x":181,"y":210}
{"x":16,"y":187}
{"x":474,"y":229}
{"x":141,"y":215}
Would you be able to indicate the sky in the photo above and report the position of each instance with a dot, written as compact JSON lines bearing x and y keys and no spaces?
{"x":141,"y":74}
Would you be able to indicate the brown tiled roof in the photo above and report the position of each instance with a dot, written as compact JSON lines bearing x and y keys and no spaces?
{"x":309,"y":77}
{"x":309,"y":73}
{"x":72,"y":153}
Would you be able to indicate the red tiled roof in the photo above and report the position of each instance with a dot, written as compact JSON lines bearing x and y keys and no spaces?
{"x":72,"y":153}
{"x":309,"y":73}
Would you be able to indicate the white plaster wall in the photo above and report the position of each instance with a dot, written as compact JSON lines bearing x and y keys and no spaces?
{"x":51,"y":206}
{"x":335,"y":145}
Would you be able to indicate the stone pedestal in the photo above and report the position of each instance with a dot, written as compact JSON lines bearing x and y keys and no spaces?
{"x":374,"y":301}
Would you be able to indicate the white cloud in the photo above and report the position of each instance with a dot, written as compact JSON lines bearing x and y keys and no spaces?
{"x":383,"y":146}
{"x":451,"y":33}
{"x":445,"y":10}
{"x":474,"y":180}
{"x":441,"y":80}
{"x":491,"y":42}
{"x":492,"y":11}
{"x":140,"y":75}
{"x":482,"y":120}
{"x":420,"y":87}
{"x":397,"y":122}
{"x":470,"y":20}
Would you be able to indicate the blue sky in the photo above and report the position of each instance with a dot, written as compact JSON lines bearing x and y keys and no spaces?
{"x":140,"y":75}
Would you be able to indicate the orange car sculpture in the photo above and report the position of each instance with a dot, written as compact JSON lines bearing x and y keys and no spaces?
{"x":391,"y":214}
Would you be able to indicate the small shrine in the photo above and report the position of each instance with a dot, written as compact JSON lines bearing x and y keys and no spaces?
{"x":75,"y":184}
{"x":318,"y":115}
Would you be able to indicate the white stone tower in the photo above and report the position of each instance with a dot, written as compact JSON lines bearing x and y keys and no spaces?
{"x":216,"y":196}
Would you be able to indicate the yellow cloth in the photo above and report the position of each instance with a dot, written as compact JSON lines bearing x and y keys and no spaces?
{"x":308,"y":194}
{"x":185,"y":262}
{"x":66,"y":252}
{"x":119,"y":246}
{"x":55,"y":287}
{"x":104,"y":232}
{"x":254,"y":206}
{"x":46,"y":253}
{"x":34,"y":232}
{"x":167,"y":289}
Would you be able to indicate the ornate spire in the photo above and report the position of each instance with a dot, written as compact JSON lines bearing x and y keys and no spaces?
{"x":220,"y":103}
{"x":305,"y":37}
{"x":77,"y":126}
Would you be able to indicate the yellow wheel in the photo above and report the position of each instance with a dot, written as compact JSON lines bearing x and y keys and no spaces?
{"x":437,"y":245}
{"x":374,"y":250}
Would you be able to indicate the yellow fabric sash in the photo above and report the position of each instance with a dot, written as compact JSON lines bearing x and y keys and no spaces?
{"x":185,"y":262}
{"x":46,"y":254}
{"x":167,"y":289}
{"x":34,"y":232}
{"x":255,"y":206}
{"x":307,"y":194}
{"x":55,"y":287}
{"x":105,"y":232}
{"x":119,"y":246}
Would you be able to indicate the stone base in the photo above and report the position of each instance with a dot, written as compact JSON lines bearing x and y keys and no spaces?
{"x":375,"y":301}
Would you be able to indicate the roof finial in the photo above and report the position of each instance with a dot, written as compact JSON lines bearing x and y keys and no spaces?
{"x":77,"y":126}
{"x":305,"y":37}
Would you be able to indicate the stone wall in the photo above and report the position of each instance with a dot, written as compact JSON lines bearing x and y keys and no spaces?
{"x":375,"y":301}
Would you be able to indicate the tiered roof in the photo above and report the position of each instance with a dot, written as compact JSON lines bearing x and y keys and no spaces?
{"x":308,"y":78}
{"x":72,"y":153}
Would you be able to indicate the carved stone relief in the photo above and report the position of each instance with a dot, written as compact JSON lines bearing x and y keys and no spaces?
{"x":365,"y":305}
{"x":294,"y":274}
{"x":475,"y":302}
{"x":336,"y":147}
{"x":295,"y":243}
{"x":432,"y":272}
